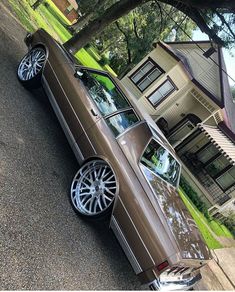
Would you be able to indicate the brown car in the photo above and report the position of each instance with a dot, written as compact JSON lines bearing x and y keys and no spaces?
{"x":128,"y":169}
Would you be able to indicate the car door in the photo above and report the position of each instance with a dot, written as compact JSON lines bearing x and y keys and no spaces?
{"x":109,"y":107}
{"x":71,"y":96}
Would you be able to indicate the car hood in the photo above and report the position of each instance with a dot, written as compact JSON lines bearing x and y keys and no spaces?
{"x":179,"y":220}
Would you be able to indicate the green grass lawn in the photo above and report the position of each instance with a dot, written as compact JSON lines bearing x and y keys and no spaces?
{"x":211,"y":242}
{"x":220,"y":229}
{"x":58,"y":13}
{"x":51,"y":19}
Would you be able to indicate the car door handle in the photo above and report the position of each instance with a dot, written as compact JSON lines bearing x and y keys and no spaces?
{"x":94,"y":112}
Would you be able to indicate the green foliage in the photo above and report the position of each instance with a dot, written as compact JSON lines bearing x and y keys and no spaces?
{"x":194,"y":197}
{"x":200,"y":220}
{"x":224,"y":227}
{"x":222,"y":24}
{"x":229,"y":222}
{"x":94,"y":7}
{"x":220,"y":229}
{"x":103,"y":60}
{"x":131,"y":38}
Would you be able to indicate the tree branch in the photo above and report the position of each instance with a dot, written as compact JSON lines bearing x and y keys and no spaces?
{"x":114,"y":12}
{"x":223,"y":20}
{"x":126,"y":39}
{"x":208,"y":4}
{"x":195,"y":15}
{"x":160,"y":10}
{"x":135,"y":28}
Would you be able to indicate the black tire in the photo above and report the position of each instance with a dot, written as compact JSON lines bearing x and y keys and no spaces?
{"x":30,"y":68}
{"x":93,"y":190}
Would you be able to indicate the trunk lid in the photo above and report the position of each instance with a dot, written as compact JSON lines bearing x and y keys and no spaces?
{"x":179,"y":220}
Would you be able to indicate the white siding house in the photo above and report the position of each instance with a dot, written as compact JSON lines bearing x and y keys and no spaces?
{"x":184,"y":88}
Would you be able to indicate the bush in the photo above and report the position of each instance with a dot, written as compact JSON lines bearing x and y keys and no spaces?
{"x":229,"y":222}
{"x":103,"y":61}
{"x":201,"y":206}
{"x":87,"y":46}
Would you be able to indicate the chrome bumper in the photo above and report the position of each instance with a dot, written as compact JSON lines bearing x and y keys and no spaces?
{"x":185,"y":284}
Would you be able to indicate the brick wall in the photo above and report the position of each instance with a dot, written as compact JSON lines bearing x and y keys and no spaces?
{"x":63,"y":5}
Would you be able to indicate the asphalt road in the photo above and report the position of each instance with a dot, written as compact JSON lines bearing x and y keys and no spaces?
{"x":43,"y":243}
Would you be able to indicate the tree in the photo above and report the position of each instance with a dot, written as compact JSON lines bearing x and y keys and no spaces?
{"x":87,"y":11}
{"x":129,"y":39}
{"x":194,"y":9}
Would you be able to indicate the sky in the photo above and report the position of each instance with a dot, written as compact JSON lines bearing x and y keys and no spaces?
{"x":229,"y":55}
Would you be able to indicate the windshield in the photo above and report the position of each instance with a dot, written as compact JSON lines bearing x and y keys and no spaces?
{"x":159,"y":160}
{"x":104,"y":92}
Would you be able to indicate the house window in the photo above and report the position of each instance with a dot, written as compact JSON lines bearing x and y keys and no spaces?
{"x":164,"y":90}
{"x":146,"y":74}
{"x":207,"y":153}
{"x":217,"y":165}
{"x":227,"y":179}
{"x":181,"y":133}
{"x":69,"y":9}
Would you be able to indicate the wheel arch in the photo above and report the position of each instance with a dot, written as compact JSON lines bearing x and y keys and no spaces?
{"x":41,"y":45}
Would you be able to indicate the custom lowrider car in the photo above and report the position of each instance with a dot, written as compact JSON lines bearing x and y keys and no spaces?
{"x":128,"y":169}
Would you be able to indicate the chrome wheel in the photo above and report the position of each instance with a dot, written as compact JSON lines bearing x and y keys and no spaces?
{"x":93,"y":188}
{"x":32,"y":64}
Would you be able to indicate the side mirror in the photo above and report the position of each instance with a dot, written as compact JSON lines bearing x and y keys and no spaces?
{"x":78,"y":74}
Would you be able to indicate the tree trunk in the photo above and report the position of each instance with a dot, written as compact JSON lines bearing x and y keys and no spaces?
{"x":82,"y":21}
{"x":122,"y":7}
{"x":96,"y":26}
{"x":36,"y":4}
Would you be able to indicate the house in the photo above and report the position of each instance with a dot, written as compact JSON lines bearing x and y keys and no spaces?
{"x":184,"y":87}
{"x":69,"y":8}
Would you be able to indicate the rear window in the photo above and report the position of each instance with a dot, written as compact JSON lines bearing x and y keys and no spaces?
{"x":160,"y":161}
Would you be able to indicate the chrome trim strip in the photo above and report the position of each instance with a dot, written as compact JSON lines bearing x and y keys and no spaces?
{"x":63,"y":123}
{"x":72,"y":107}
{"x":137,"y":232}
{"x":125,"y":246}
{"x":123,"y":110}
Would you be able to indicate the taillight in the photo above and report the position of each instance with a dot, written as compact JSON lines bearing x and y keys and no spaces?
{"x":162,"y":266}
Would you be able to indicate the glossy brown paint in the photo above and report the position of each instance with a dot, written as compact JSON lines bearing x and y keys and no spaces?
{"x":154,"y":231}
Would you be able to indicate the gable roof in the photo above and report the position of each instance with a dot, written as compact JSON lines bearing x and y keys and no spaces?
{"x":199,"y":68}
{"x":224,"y":100}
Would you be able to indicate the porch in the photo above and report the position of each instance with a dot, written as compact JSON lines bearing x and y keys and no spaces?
{"x":207,"y":155}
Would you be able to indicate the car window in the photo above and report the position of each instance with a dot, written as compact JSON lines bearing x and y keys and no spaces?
{"x":161,"y":162}
{"x":121,"y":121}
{"x":104,"y":92}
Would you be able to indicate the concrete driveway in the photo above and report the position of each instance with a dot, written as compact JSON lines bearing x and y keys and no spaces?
{"x":43,"y":244}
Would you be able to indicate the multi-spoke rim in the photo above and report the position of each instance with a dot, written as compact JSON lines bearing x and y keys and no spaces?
{"x":31,"y":64}
{"x":93,"y":188}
